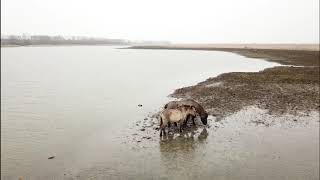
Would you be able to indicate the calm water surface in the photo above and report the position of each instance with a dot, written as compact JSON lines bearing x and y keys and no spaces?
{"x":80,"y":104}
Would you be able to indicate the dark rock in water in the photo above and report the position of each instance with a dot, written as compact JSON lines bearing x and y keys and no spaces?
{"x":295,"y":120}
{"x":140,"y":105}
{"x":138,"y":141}
{"x":142,"y":129}
{"x":145,"y":119}
{"x":146,"y":137}
{"x":51,"y":157}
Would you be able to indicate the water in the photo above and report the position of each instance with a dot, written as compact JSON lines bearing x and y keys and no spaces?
{"x":80,"y":105}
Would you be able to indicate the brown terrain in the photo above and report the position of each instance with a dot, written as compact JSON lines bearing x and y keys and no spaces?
{"x":284,"y":89}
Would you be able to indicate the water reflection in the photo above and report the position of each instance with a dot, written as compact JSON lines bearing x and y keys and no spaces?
{"x":176,"y":141}
{"x":203,"y":135}
{"x":179,"y":150}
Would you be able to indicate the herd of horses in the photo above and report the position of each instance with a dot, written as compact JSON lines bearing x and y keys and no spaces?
{"x":179,"y":112}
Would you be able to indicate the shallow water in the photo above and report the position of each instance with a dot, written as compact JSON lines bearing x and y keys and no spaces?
{"x":80,"y":105}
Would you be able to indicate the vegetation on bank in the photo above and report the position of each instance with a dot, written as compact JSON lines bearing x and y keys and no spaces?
{"x":58,"y":40}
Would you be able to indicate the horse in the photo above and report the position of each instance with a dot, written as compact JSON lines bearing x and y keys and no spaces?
{"x":189,"y":102}
{"x":177,"y":115}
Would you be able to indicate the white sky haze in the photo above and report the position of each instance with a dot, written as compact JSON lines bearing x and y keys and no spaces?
{"x":181,"y":21}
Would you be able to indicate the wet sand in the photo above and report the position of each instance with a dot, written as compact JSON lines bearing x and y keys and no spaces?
{"x":249,"y":144}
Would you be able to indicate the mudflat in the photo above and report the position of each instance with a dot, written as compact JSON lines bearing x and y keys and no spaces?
{"x":293,"y":88}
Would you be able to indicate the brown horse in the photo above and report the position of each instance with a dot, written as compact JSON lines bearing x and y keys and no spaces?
{"x":177,"y":115}
{"x":189,"y":102}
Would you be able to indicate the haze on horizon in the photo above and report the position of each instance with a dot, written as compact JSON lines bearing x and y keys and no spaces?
{"x":193,"y":21}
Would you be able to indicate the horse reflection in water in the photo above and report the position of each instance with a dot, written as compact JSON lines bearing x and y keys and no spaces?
{"x":180,"y":153}
{"x":184,"y":141}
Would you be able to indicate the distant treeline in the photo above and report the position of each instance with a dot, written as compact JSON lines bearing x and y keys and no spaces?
{"x":58,"y":40}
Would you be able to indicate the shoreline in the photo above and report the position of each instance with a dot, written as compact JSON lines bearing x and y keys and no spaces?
{"x":210,"y":47}
{"x":292,"y":89}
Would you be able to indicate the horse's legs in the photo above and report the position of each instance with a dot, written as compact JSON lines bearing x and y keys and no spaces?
{"x":180,"y":128}
{"x":163,"y":128}
{"x":185,"y":122}
{"x":175,"y":123}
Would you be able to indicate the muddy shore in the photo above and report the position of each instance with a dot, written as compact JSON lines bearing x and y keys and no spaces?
{"x":292,"y":89}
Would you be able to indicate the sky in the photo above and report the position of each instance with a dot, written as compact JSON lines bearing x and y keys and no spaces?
{"x":179,"y":21}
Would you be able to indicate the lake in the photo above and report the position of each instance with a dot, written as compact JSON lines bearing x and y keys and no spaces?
{"x":79,"y":105}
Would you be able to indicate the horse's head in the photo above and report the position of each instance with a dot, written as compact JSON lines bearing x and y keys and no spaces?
{"x":204,"y":117}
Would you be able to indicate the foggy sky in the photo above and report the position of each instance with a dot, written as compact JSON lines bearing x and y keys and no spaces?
{"x":182,"y":21}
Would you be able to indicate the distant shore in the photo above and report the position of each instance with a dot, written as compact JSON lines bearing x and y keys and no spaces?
{"x":305,"y":47}
{"x":285,"y":89}
{"x":53,"y":45}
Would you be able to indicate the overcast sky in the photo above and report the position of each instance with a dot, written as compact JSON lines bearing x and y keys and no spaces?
{"x":182,"y":21}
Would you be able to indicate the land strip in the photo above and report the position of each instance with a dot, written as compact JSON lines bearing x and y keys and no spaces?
{"x":284,"y":89}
